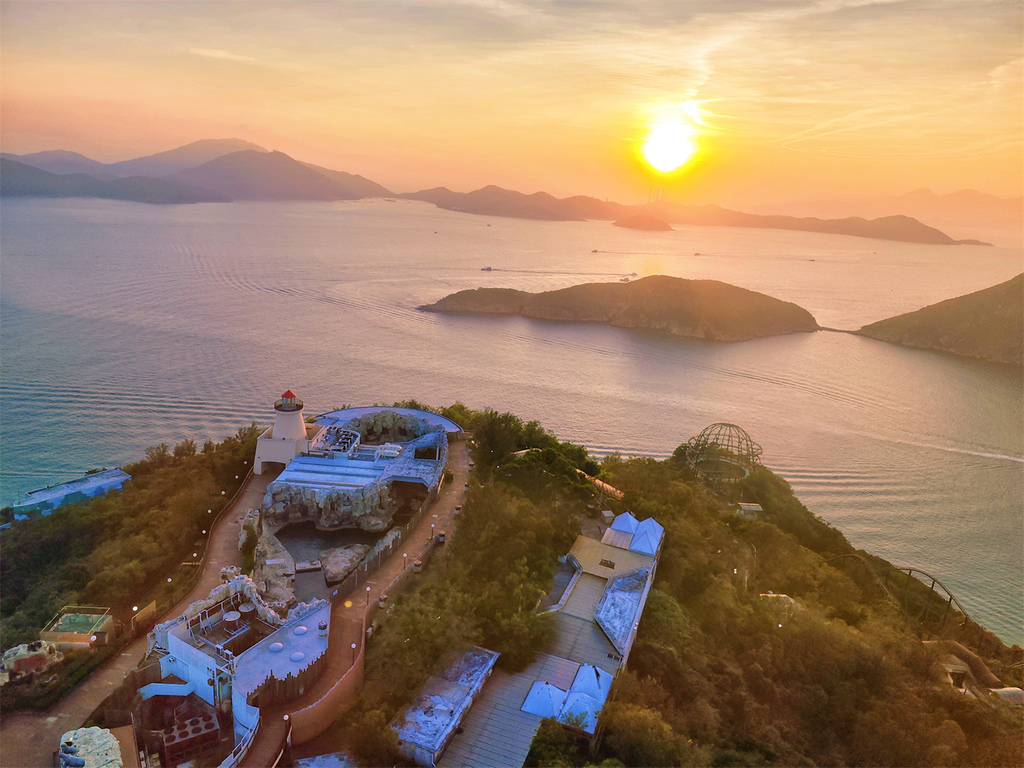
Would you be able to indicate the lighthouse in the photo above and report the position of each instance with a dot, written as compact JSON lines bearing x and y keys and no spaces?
{"x":289,"y":437}
{"x":289,"y":423}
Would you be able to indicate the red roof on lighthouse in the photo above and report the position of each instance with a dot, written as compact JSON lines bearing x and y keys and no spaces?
{"x":289,"y":393}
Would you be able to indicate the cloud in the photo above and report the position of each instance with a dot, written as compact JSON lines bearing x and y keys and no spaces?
{"x":218,"y":54}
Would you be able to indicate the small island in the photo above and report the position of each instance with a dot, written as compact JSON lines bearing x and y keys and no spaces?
{"x":984,"y":325}
{"x":698,"y":309}
{"x":646,"y":222}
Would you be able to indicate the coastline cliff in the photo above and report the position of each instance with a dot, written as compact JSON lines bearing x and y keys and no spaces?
{"x":984,"y":325}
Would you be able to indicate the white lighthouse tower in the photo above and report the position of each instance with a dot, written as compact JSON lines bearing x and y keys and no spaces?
{"x":289,"y":423}
{"x":289,"y":436}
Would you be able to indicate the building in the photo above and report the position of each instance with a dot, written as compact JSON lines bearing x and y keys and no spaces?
{"x":353,"y":468}
{"x":426,"y":728}
{"x":44,"y":500}
{"x":227,"y":656}
{"x":289,"y":436}
{"x":596,"y":612}
{"x":79,"y":627}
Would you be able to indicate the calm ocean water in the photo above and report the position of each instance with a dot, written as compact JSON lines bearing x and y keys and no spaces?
{"x":126,"y":325}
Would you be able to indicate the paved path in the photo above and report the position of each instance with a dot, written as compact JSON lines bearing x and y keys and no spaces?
{"x":346,"y":619}
{"x":28,"y":739}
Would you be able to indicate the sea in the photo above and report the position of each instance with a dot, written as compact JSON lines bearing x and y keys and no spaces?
{"x":125,"y":325}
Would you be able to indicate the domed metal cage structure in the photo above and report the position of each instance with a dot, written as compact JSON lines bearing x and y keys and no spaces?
{"x":723,"y":453}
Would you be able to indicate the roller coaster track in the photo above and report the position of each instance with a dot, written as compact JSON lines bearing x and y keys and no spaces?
{"x":883,"y":584}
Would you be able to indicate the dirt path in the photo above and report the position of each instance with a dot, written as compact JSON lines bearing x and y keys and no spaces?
{"x":28,"y":739}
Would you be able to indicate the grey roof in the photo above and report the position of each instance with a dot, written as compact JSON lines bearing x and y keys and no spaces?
{"x":583,"y":641}
{"x":444,"y":699}
{"x":544,"y":699}
{"x":619,"y":609}
{"x":338,"y":472}
{"x":496,"y":732}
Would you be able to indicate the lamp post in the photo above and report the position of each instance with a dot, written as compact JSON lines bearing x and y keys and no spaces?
{"x":405,"y":560}
{"x":367,"y":595}
{"x":432,"y":531}
{"x":353,"y":653}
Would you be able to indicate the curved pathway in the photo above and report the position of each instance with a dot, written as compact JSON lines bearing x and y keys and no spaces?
{"x":347,"y":617}
{"x":28,"y":739}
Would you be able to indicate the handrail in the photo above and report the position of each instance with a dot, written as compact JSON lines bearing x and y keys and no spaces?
{"x":242,"y":747}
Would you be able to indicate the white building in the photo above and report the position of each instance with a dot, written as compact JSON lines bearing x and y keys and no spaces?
{"x":290,"y":435}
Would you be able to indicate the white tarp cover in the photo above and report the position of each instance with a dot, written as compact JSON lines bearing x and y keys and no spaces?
{"x":581,"y":710}
{"x":544,"y":700}
{"x":593,"y":681}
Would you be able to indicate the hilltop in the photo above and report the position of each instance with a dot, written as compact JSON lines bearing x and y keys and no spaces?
{"x":252,"y":175}
{"x":700,"y":309}
{"x":986,"y":325}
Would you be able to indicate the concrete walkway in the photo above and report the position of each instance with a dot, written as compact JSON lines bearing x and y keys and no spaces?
{"x":28,"y":739}
{"x":346,"y":618}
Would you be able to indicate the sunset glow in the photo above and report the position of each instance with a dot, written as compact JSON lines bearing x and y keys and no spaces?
{"x":669,"y":146}
{"x":513,"y":94}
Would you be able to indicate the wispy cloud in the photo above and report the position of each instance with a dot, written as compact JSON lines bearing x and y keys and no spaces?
{"x":212,"y":53}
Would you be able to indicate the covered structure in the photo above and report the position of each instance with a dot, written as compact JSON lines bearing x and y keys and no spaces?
{"x":44,"y":500}
{"x":426,"y":728}
{"x":723,"y":454}
{"x":78,"y":627}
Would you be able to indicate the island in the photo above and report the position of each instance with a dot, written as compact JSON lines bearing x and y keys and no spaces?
{"x":699,"y":309}
{"x":644,"y":221}
{"x":984,"y":325}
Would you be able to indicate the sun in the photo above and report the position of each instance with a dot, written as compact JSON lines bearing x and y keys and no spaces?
{"x":669,"y":145}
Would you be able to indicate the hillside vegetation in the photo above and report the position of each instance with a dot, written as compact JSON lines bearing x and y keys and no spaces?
{"x":986,"y":325}
{"x":113,"y":550}
{"x":701,"y":309}
{"x":718,"y":676}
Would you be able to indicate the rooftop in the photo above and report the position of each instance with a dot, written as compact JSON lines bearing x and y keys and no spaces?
{"x":327,"y":470}
{"x":606,"y":560}
{"x":444,"y":699}
{"x":287,"y":651}
{"x":93,"y":482}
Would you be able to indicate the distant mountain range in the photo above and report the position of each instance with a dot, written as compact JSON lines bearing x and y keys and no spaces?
{"x":204,"y":171}
{"x":495,"y":201}
{"x":967,"y":208}
{"x":222,"y":170}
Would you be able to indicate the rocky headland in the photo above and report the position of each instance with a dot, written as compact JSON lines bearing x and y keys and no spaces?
{"x":985,"y":325}
{"x":699,"y":309}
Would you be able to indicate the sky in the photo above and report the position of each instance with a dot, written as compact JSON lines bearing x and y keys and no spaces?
{"x":786,"y":99}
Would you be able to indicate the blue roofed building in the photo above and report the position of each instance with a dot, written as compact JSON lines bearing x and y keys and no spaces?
{"x":596,"y":620}
{"x":45,"y":500}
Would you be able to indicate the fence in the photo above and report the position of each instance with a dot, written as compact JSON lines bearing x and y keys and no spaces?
{"x":311,"y":721}
{"x":375,"y":559}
